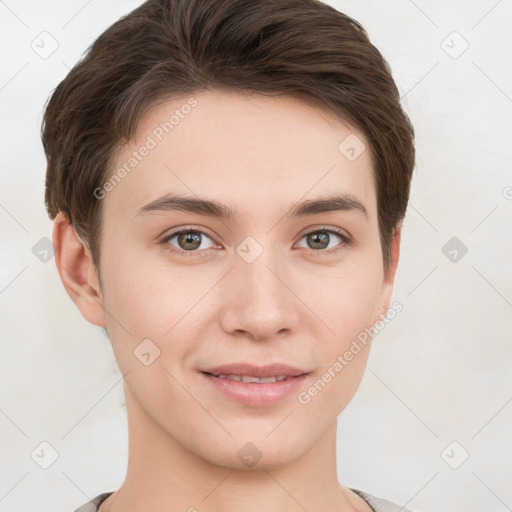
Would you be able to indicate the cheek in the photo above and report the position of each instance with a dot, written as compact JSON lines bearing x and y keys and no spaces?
{"x":150,"y":295}
{"x":346,"y":305}
{"x":347,"y":298}
{"x":348,"y":309}
{"x":149,"y":300}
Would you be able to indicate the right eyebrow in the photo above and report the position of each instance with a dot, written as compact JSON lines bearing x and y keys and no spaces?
{"x":189,"y":204}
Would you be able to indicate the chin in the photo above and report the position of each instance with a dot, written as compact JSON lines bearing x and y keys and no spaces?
{"x":267,"y":462}
{"x":254,"y":452}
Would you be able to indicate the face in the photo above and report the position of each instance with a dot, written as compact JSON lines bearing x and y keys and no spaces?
{"x":274,"y":280}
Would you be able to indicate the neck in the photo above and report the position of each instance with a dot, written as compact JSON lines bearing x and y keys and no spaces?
{"x":163,"y":475}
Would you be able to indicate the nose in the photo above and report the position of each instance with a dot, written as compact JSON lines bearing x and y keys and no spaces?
{"x":258,"y":299}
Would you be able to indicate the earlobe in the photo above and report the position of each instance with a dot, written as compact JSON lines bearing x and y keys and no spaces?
{"x":77,"y":271}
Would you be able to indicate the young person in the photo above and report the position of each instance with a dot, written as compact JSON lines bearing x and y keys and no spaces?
{"x":227,"y":180}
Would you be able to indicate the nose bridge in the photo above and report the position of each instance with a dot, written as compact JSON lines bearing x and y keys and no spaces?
{"x":260,"y":303}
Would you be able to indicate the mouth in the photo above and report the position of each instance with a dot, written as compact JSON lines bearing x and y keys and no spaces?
{"x":251,"y":379}
{"x":256,"y":386}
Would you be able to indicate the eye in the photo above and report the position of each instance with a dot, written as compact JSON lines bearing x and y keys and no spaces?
{"x":188,"y":241}
{"x":320,"y":240}
{"x":192,"y":242}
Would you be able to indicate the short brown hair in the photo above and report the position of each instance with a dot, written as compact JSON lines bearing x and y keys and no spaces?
{"x":167,"y":48}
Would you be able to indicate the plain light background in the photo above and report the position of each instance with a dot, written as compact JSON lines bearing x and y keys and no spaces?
{"x":430,"y":425}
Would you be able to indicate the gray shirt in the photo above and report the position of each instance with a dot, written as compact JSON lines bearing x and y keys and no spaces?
{"x":377,"y":504}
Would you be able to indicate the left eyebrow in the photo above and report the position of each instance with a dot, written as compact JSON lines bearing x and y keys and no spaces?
{"x":343,"y":202}
{"x":195,"y":205}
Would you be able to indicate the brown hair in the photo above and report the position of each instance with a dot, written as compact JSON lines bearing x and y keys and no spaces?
{"x":167,"y":48}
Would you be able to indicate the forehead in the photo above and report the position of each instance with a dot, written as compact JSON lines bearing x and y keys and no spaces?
{"x":245,"y":149}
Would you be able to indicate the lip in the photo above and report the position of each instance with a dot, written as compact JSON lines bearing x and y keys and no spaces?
{"x":256,"y":394}
{"x":261,"y":372}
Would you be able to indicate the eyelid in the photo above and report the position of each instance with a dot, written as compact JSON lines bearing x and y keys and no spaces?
{"x":186,"y":229}
{"x":344,"y":236}
{"x":331,"y":229}
{"x":346,"y":239}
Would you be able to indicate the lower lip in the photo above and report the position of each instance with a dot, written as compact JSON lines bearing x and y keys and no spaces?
{"x":254,"y":394}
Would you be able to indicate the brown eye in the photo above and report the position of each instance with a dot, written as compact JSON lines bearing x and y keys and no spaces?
{"x":188,"y":242}
{"x":318,"y":240}
{"x":326,"y":240}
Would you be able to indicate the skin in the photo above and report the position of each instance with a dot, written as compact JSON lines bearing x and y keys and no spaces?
{"x":294,"y":304}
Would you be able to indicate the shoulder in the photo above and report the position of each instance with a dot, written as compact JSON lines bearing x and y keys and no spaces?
{"x":380,"y":504}
{"x":93,"y":505}
{"x":377,"y":504}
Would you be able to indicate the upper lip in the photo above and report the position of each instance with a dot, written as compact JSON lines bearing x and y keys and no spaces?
{"x":251,"y":370}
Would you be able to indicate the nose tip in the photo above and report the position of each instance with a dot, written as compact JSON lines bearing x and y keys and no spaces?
{"x":259,"y":301}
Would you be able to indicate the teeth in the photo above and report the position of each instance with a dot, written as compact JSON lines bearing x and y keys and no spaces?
{"x":249,"y":379}
{"x":253,"y":379}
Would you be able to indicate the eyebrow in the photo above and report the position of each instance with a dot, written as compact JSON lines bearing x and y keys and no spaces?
{"x":210,"y":208}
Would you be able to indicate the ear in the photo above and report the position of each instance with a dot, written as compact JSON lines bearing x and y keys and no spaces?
{"x":77,"y":271}
{"x":389,"y":277}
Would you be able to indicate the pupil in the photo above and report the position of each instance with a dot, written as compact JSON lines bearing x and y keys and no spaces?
{"x":320,"y":238}
{"x":191,"y":237}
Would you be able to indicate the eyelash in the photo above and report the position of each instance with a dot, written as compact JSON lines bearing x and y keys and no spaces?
{"x":345,"y":240}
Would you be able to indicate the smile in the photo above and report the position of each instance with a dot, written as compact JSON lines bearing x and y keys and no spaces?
{"x":251,"y":379}
{"x":256,"y":386}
